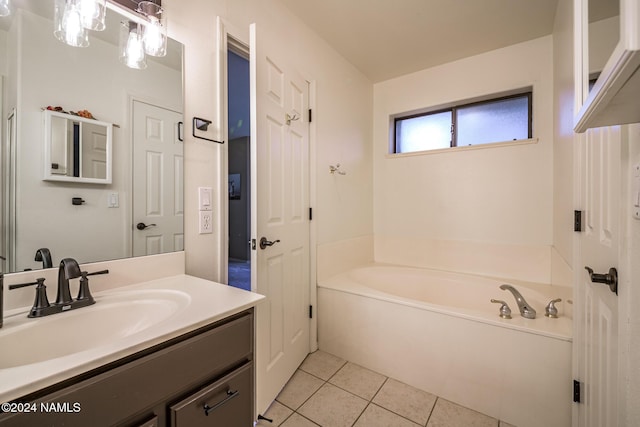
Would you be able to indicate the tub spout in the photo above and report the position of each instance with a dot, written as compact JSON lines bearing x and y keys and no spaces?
{"x":526,"y":310}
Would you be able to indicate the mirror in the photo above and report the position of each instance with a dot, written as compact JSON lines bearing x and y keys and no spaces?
{"x":603,"y":35}
{"x":76,"y":149}
{"x":88,"y":221}
{"x":608,"y":34}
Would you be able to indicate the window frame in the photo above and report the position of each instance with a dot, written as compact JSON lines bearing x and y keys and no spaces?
{"x":453,"y":143}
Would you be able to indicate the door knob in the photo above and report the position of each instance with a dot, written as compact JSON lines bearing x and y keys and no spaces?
{"x":142,"y":225}
{"x":610,"y":279}
{"x":264,"y":242}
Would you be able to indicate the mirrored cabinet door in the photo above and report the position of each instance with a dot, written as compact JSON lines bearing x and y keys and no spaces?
{"x":77,"y":149}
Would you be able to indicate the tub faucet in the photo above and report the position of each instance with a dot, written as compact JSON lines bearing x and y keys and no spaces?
{"x":526,"y":310}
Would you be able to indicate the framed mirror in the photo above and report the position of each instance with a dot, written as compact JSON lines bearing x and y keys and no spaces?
{"x":607,"y":49}
{"x":76,"y":149}
{"x":88,"y":217}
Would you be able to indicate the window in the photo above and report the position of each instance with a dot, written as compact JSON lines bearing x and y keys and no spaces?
{"x":489,"y":121}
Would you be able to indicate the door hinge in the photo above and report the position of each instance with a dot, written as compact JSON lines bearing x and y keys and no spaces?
{"x":310,"y":115}
{"x":310,"y":312}
{"x":310,"y":214}
{"x":576,"y":391}
{"x":577,"y":221}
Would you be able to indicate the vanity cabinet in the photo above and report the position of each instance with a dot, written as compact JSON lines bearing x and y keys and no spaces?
{"x":205,"y":377}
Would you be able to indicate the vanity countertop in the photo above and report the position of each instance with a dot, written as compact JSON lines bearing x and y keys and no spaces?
{"x":194,"y":303}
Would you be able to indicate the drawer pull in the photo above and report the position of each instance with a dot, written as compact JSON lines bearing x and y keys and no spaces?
{"x":230,"y":395}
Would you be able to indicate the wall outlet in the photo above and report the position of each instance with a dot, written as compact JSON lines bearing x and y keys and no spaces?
{"x":206,"y":222}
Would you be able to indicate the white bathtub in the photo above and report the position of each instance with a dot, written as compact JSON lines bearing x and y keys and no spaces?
{"x":439,"y":332}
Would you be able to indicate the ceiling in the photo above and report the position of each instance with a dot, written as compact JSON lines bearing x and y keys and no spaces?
{"x":389,"y":38}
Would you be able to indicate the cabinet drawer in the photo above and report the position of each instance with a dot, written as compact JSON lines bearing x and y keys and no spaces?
{"x":225,"y":403}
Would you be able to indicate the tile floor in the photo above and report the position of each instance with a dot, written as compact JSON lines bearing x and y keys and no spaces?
{"x":330,"y":392}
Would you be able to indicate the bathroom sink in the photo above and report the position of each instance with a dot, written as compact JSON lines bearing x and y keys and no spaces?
{"x":115,"y":316}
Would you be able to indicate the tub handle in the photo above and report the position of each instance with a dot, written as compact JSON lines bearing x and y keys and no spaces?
{"x":551,"y":310}
{"x":505,"y":311}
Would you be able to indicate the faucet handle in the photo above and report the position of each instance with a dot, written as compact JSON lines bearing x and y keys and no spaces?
{"x":505,"y":311}
{"x":550,"y":310}
{"x":41,"y":302}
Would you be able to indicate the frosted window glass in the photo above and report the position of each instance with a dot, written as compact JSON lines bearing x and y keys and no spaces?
{"x":499,"y":121}
{"x":421,"y":133}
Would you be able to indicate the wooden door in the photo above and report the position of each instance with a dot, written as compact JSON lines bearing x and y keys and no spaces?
{"x":596,"y":323}
{"x":158,"y":170}
{"x":280,"y":206}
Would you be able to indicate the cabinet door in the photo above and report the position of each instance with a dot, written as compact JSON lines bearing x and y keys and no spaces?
{"x":225,"y":403}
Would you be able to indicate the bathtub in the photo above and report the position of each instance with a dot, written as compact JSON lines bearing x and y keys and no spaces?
{"x":438,"y":331}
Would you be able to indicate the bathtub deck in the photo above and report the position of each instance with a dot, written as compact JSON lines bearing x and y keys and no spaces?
{"x":329,"y":391}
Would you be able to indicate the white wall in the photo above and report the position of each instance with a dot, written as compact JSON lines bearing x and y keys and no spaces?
{"x":494,"y":198}
{"x":92,"y":79}
{"x":563,"y":103}
{"x":342,"y":120}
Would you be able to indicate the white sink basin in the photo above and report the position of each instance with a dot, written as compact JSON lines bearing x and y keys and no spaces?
{"x":114,"y":316}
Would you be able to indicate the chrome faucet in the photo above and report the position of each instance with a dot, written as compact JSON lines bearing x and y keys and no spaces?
{"x":526,"y":310}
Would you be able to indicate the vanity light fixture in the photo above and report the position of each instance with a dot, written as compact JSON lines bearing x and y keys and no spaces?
{"x":5,"y":8}
{"x":72,"y":19}
{"x":132,"y":45}
{"x":155,"y":29}
{"x":93,"y":13}
{"x":68,"y":24}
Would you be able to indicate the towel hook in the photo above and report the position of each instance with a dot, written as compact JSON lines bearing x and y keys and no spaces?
{"x":336,"y":168}
{"x":291,"y":118}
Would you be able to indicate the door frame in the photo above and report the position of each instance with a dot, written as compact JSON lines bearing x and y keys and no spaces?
{"x":226,"y":33}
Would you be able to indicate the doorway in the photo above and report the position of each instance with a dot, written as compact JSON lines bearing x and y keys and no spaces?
{"x":239,"y":168}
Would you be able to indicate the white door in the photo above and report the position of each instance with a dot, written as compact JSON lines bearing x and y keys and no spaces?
{"x":280,"y":206}
{"x":596,"y":334}
{"x":157,"y":180}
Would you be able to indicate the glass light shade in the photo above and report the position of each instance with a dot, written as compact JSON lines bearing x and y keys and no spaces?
{"x":93,"y":14}
{"x":67,"y":23}
{"x":132,"y":46}
{"x":5,"y":8}
{"x":155,"y":30}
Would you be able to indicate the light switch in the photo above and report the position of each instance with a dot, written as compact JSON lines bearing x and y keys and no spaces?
{"x":113,"y":200}
{"x":204,"y":199}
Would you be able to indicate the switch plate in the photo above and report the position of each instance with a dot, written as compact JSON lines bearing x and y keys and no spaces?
{"x":206,"y":222}
{"x":113,"y":200}
{"x":204,"y":199}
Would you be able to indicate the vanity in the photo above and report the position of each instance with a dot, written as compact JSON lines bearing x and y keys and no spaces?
{"x":173,"y":351}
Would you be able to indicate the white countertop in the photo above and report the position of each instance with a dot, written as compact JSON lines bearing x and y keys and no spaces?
{"x":206,"y":302}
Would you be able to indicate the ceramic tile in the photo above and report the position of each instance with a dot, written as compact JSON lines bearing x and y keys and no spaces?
{"x":322,"y":365}
{"x":375,"y":416}
{"x":297,"y":420}
{"x":276,"y":412}
{"x":299,"y":388}
{"x":333,"y":407}
{"x":406,"y":401}
{"x":448,"y":414}
{"x":358,"y":380}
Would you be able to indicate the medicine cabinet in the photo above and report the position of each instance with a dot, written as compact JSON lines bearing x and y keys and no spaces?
{"x":613,"y":98}
{"x":77,"y":149}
